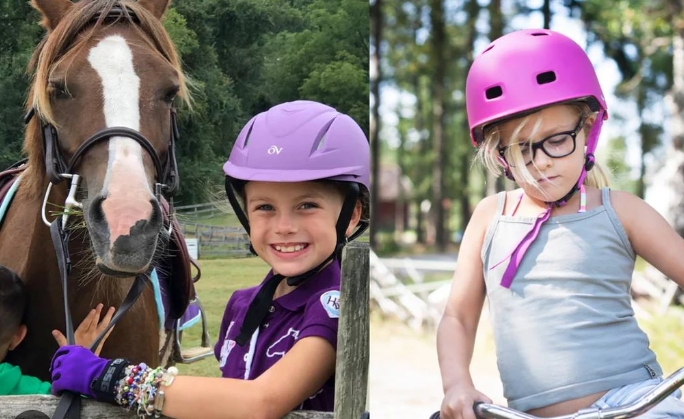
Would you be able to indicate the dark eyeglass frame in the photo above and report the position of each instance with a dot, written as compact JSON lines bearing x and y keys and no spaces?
{"x":540,"y":144}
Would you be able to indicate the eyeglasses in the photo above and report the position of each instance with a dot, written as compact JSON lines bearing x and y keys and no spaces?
{"x":555,"y":146}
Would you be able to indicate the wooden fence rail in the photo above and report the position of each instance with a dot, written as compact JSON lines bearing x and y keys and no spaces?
{"x":351,"y":376}
{"x":12,"y":406}
{"x":210,"y":208}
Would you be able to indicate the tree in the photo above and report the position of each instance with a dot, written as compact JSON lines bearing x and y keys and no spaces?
{"x":19,"y":34}
{"x":439,"y":64}
{"x":674,"y":169}
{"x":376,"y":14}
{"x":636,"y":35}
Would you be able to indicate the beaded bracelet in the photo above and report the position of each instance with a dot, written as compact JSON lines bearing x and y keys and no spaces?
{"x":139,"y":389}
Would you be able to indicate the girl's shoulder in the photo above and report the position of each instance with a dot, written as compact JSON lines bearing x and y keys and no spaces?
{"x":324,"y":302}
{"x":631,"y":209}
{"x":489,"y":205}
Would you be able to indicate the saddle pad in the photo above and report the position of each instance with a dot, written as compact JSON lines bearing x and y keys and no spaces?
{"x":189,"y":318}
{"x":177,"y":263}
{"x":6,"y":194}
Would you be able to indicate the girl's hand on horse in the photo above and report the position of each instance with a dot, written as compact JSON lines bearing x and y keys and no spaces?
{"x":89,"y":329}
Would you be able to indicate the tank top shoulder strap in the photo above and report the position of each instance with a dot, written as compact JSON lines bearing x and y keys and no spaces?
{"x":489,"y":233}
{"x":501,"y":203}
{"x":615,"y":220}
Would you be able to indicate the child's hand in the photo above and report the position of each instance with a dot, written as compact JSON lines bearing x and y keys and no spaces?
{"x":459,"y":401}
{"x":89,"y":329}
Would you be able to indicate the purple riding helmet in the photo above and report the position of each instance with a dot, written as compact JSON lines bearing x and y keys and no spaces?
{"x":296,"y":142}
{"x":527,"y":70}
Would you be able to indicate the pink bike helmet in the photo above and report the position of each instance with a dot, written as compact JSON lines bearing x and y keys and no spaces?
{"x":526,"y":70}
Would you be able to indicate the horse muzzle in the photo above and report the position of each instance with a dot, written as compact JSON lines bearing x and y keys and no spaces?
{"x":119,"y":252}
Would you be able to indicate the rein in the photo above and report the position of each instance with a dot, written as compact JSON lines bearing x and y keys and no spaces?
{"x":70,"y":403}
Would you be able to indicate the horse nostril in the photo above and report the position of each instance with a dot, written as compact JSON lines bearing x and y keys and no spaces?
{"x":96,"y":212}
{"x":150,"y":226}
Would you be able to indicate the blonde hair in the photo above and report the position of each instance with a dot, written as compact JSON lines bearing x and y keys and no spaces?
{"x":488,"y":151}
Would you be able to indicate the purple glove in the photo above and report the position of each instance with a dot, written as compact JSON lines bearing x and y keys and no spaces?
{"x":75,"y":368}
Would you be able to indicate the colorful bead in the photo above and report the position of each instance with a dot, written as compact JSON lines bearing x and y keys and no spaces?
{"x":138,"y":387}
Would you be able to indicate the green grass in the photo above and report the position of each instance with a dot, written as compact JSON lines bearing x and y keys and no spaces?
{"x":218,"y":219}
{"x":220,"y":278}
{"x":664,"y":333}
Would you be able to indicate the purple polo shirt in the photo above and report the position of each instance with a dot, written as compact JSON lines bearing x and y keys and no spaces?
{"x":312,"y":309}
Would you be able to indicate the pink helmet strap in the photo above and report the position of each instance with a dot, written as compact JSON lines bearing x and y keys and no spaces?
{"x":592,"y":142}
{"x":516,"y":255}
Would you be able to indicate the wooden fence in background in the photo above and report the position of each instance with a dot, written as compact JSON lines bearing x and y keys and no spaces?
{"x":213,"y":240}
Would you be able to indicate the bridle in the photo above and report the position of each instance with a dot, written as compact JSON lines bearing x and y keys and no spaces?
{"x":58,"y":170}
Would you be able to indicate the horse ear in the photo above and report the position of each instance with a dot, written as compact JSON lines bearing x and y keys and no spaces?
{"x":157,"y":7}
{"x":52,"y":10}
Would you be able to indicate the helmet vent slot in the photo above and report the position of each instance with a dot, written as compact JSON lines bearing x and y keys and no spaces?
{"x":248,"y":136}
{"x":319,"y":143}
{"x":546,"y":77}
{"x":490,"y":47}
{"x":493,"y":92}
{"x":540,"y":34}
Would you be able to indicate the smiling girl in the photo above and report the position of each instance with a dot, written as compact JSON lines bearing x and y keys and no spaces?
{"x":298,"y":179}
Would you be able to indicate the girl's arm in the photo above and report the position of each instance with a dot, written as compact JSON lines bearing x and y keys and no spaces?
{"x":298,"y":375}
{"x":651,"y":235}
{"x":457,"y":330}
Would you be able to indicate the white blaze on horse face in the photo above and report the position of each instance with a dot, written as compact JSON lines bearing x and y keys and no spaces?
{"x":125,"y":185}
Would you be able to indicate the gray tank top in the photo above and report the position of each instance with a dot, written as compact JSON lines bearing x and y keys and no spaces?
{"x":565,"y":328}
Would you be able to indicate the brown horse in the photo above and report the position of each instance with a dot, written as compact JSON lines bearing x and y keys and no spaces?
{"x":101,"y":64}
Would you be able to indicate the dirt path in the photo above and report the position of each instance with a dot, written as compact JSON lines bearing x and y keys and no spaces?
{"x":404,"y":374}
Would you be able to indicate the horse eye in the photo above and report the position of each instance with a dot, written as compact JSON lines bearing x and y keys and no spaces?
{"x":58,"y":90}
{"x":171,"y":94}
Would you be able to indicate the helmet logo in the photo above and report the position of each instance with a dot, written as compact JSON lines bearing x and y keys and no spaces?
{"x":274,"y":150}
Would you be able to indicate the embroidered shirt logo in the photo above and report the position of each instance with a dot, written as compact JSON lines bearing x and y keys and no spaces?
{"x":283,"y":344}
{"x":331,"y":303}
{"x":274,"y":150}
{"x":228,"y":345}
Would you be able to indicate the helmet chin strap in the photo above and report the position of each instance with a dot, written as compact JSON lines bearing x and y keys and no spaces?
{"x":589,"y":162}
{"x":516,"y":255}
{"x":259,"y":307}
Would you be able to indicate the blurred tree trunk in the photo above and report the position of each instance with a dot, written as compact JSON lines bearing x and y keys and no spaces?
{"x":675,"y":100}
{"x":439,"y":60}
{"x":419,"y":125}
{"x":400,"y":213}
{"x":643,"y":132}
{"x":496,"y":28}
{"x":376,"y":78}
{"x":473,"y":11}
{"x":546,"y":11}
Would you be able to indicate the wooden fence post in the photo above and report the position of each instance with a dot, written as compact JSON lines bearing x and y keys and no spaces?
{"x":353,"y":336}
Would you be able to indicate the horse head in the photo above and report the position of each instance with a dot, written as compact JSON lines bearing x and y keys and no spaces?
{"x":105,"y":78}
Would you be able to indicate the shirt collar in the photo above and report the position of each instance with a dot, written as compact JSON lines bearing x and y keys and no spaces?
{"x":328,"y":277}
